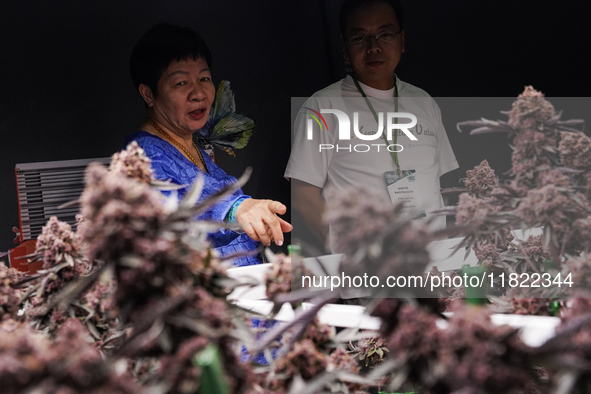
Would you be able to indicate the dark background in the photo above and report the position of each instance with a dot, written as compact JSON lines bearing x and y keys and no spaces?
{"x":66,"y":92}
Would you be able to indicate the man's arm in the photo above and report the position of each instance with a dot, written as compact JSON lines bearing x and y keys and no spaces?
{"x":308,"y":202}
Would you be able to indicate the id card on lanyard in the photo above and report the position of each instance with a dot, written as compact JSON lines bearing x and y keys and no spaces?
{"x":401,"y":184}
{"x":402,"y":187}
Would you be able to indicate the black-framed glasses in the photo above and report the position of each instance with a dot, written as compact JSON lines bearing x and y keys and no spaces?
{"x":364,"y":41}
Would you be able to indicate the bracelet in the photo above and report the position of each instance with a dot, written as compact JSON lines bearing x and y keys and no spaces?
{"x":231,"y":216}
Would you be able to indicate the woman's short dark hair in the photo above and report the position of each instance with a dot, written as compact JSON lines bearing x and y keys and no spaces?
{"x":351,"y":6}
{"x":160,"y":46}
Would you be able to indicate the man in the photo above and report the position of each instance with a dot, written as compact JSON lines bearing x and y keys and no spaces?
{"x":373,"y":37}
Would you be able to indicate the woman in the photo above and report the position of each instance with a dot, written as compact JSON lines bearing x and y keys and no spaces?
{"x":170,"y":67}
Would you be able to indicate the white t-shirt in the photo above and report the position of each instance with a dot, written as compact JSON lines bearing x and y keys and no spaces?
{"x":348,"y":163}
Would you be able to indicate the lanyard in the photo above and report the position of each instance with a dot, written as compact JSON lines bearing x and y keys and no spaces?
{"x":393,"y":154}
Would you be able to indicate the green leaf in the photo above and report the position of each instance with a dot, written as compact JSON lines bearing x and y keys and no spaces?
{"x":234,"y":130}
{"x":224,"y":101}
{"x":213,"y":380}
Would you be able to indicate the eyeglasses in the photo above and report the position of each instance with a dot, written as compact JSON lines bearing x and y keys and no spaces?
{"x":364,"y":41}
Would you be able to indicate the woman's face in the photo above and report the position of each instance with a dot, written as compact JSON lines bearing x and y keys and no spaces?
{"x":185,"y":95}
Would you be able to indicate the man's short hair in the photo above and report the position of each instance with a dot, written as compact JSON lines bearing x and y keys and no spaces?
{"x":351,"y":6}
{"x":159,"y":47}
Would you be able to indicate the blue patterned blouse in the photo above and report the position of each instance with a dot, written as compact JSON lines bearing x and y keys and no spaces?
{"x":170,"y":164}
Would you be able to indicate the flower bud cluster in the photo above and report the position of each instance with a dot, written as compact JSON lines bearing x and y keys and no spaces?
{"x":481,"y":180}
{"x":470,"y":352}
{"x":10,"y":296}
{"x":57,"y":243}
{"x":310,"y":356}
{"x":133,"y":163}
{"x":31,"y":362}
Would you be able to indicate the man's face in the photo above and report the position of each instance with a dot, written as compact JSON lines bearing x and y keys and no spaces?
{"x":374,"y":64}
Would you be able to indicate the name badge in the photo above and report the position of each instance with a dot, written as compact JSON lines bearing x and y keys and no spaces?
{"x":403,"y":187}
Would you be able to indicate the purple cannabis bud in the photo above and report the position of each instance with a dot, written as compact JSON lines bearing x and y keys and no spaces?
{"x":536,"y":137}
{"x":528,"y":306}
{"x":470,"y":353}
{"x":534,"y":249}
{"x":133,"y":163}
{"x":530,"y":110}
{"x":124,"y":217}
{"x":278,"y":280}
{"x":10,"y":297}
{"x":551,"y":205}
{"x":341,"y":359}
{"x":481,"y":180}
{"x":303,"y":359}
{"x":319,"y":333}
{"x":487,"y":251}
{"x":57,"y":244}
{"x":474,"y":210}
{"x":553,"y":177}
{"x":31,"y":362}
{"x":370,"y":351}
{"x":478,"y":354}
{"x":575,"y":150}
{"x":63,"y":263}
{"x":310,"y":356}
{"x":417,"y":334}
{"x":531,"y":149}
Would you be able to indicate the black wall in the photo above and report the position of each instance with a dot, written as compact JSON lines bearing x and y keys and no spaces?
{"x":66,"y":93}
